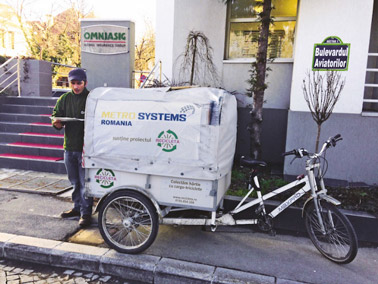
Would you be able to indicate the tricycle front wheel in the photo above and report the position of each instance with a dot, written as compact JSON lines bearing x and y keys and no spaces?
{"x":128,"y":221}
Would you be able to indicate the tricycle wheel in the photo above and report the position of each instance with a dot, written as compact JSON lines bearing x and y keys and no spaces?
{"x":128,"y":221}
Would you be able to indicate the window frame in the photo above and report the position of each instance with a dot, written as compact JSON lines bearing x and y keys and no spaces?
{"x":253,"y":20}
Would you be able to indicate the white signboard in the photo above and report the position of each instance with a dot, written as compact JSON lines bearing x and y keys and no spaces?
{"x":147,"y":129}
{"x":185,"y":192}
{"x":105,"y":39}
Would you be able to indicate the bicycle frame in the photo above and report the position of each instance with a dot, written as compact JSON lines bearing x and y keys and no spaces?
{"x":307,"y":183}
{"x":281,"y":207}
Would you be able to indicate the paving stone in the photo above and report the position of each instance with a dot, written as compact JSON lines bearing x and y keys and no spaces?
{"x":17,"y":270}
{"x":105,"y":278}
{"x":89,"y":275}
{"x":8,"y":268}
{"x":69,"y":272}
{"x":13,"y":277}
{"x":26,"y":278}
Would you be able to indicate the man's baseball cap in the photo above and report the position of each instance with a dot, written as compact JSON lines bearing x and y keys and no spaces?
{"x":77,"y":74}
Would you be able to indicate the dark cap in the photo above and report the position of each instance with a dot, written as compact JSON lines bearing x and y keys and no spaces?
{"x":77,"y":74}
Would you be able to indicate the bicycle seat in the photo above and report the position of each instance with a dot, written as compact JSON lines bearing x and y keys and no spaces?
{"x":251,"y":163}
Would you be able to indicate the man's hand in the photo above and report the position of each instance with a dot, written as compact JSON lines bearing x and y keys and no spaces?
{"x":57,"y":123}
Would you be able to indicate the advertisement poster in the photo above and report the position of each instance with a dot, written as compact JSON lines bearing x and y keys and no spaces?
{"x":147,"y":129}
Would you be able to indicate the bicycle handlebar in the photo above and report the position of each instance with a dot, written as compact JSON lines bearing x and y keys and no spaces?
{"x":301,"y":152}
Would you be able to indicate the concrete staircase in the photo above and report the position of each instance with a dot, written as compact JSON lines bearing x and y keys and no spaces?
{"x":27,"y":139}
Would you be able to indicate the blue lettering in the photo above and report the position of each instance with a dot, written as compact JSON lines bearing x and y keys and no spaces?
{"x":141,"y":116}
{"x":154,"y":116}
{"x":182,"y":117}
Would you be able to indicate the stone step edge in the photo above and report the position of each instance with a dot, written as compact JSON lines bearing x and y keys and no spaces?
{"x":30,"y":158}
{"x":140,"y":267}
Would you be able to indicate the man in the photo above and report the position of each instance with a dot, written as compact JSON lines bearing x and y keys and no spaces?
{"x":72,"y":104}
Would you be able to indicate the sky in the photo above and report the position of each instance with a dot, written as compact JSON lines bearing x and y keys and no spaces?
{"x":139,"y":11}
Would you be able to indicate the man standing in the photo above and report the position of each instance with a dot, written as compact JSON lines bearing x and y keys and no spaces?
{"x":72,"y":105}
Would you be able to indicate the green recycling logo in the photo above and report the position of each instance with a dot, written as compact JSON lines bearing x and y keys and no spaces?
{"x":105,"y":178}
{"x":167,"y":140}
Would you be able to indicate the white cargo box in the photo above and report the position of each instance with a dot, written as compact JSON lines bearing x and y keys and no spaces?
{"x":178,"y":146}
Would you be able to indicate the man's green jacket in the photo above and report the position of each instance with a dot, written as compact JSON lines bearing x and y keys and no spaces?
{"x":72,"y":105}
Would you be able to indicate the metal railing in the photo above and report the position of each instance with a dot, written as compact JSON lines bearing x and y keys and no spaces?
{"x":13,"y":75}
{"x":371,"y":85}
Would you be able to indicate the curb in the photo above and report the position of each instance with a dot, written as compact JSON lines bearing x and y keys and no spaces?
{"x":141,"y":267}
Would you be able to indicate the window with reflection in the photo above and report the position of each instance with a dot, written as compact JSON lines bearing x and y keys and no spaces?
{"x":243,"y":29}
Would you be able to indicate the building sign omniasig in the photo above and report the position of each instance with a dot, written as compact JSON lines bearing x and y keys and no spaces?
{"x":331,"y":55}
{"x":105,"y":39}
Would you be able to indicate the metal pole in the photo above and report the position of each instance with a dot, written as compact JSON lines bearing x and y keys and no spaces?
{"x":18,"y":76}
{"x":160,"y":70}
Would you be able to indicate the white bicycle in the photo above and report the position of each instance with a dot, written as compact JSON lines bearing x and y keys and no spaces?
{"x":329,"y":230}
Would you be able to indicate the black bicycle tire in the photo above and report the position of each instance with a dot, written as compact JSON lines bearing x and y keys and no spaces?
{"x":341,"y":221}
{"x":150,"y":209}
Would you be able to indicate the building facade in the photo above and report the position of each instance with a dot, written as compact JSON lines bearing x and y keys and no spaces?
{"x":12,"y":40}
{"x":306,"y":35}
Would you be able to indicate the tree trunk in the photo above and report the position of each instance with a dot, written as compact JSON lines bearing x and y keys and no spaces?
{"x":317,"y":138}
{"x":259,"y":89}
{"x":193,"y":61}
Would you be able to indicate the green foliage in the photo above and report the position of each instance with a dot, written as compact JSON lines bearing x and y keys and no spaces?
{"x":239,"y":179}
{"x":237,"y":175}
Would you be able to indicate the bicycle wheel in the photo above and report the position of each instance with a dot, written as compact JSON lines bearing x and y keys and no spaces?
{"x":338,"y":242}
{"x":128,"y":222}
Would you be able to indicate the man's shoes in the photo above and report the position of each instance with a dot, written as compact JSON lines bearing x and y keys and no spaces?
{"x":85,"y":221}
{"x":70,"y":213}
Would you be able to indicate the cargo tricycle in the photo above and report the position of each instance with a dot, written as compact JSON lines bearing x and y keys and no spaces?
{"x":148,"y":153}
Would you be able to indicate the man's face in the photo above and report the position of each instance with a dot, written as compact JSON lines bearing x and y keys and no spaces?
{"x":78,"y":86}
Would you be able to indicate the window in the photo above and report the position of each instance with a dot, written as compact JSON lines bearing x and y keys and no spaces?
{"x":11,"y":40}
{"x":371,"y":82}
{"x":243,"y":29}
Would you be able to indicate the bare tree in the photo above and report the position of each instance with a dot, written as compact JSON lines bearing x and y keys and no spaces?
{"x":321,"y":93}
{"x":197,"y":61}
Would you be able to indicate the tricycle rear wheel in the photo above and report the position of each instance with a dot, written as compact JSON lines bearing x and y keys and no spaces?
{"x":128,"y":221}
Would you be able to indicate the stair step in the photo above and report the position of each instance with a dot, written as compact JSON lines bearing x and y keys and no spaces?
{"x":36,"y":145}
{"x":29,"y":157}
{"x":41,"y":124}
{"x":29,"y":118}
{"x":20,"y":127}
{"x":33,"y":149}
{"x":29,"y":109}
{"x":57,"y":167}
{"x":7,"y":137}
{"x":42,"y":134}
{"x":38,"y":101}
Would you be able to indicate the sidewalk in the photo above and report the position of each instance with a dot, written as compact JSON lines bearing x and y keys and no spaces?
{"x":31,"y":230}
